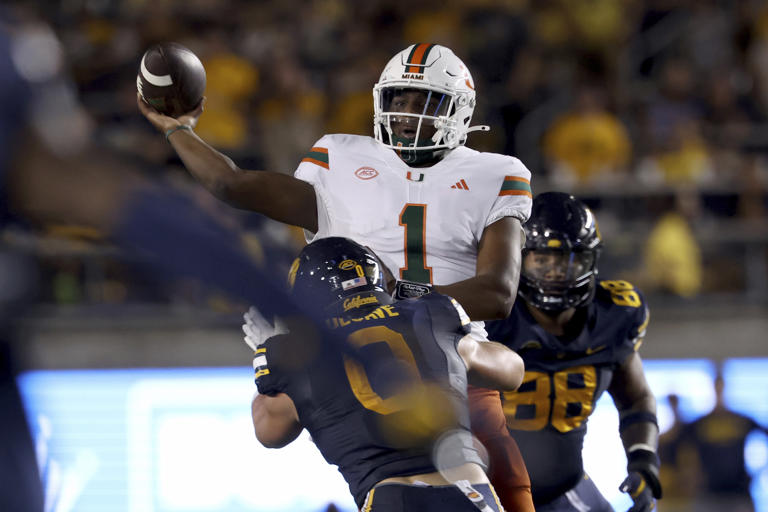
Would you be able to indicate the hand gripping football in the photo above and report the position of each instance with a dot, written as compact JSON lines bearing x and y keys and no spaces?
{"x":171,"y":79}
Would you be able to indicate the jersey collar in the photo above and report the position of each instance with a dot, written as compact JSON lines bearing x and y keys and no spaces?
{"x":417,"y":174}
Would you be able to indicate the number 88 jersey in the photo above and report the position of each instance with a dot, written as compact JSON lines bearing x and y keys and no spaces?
{"x":564,"y":378}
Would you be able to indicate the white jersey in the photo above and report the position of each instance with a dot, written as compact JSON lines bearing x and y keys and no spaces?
{"x":424,"y":223}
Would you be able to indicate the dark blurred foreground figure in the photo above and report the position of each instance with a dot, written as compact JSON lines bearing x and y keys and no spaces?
{"x":49,"y":172}
{"x":384,"y":397}
{"x":720,"y":478}
{"x":578,"y":336}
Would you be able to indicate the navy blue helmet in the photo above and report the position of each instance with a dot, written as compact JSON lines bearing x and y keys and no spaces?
{"x":338,"y":274}
{"x":562,"y":246}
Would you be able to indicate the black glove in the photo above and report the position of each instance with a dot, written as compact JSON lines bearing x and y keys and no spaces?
{"x":410,"y":290}
{"x":642,"y":483}
{"x":640,"y":492}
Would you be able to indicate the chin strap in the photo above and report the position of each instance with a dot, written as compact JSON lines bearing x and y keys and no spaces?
{"x":479,"y":128}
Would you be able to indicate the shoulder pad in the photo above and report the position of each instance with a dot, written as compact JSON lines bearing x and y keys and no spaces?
{"x":620,"y":293}
{"x":443,"y":306}
{"x":623,"y":296}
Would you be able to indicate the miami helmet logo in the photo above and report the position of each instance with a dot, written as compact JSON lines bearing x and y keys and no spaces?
{"x":417,"y":60}
{"x":467,"y":77}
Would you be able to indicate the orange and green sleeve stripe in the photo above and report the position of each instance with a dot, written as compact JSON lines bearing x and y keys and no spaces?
{"x":514,"y":186}
{"x":317,"y":156}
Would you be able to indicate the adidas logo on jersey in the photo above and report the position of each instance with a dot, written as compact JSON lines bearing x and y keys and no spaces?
{"x":462,"y":185}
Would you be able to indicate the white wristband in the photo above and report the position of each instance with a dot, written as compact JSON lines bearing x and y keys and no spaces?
{"x":641,"y":446}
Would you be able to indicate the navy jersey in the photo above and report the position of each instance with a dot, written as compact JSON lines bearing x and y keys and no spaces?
{"x":564,"y":377}
{"x":377,"y":396}
{"x":719,"y":439}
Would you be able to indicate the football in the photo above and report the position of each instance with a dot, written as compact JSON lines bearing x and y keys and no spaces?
{"x":171,"y":79}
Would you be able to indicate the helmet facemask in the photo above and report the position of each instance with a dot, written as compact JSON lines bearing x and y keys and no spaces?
{"x":562,"y":246}
{"x":556,"y":279}
{"x":415,"y":122}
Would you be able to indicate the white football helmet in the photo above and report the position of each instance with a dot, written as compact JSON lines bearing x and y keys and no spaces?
{"x":446,"y":105}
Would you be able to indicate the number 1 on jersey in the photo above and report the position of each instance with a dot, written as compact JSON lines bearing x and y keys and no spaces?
{"x":413,"y":218}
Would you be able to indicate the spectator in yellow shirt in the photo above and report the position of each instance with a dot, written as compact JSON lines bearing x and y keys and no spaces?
{"x":672,"y":254}
{"x":587,"y":143}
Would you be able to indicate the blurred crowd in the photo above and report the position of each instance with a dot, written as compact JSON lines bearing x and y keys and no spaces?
{"x":653,"y":112}
{"x":703,"y":461}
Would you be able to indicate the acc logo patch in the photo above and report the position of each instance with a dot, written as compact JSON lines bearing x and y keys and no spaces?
{"x":366,"y":173}
{"x":347,"y":264}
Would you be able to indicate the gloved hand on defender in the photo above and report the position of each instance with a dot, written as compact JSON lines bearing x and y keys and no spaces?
{"x":258,"y":330}
{"x":642,"y":483}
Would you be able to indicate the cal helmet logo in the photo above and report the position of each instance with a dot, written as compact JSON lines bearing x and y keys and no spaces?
{"x":360,"y":280}
{"x":366,"y":173}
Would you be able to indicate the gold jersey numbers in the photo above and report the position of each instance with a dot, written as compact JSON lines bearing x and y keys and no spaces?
{"x":418,"y":410}
{"x":622,"y":293}
{"x":562,"y":399}
{"x":358,"y":380}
